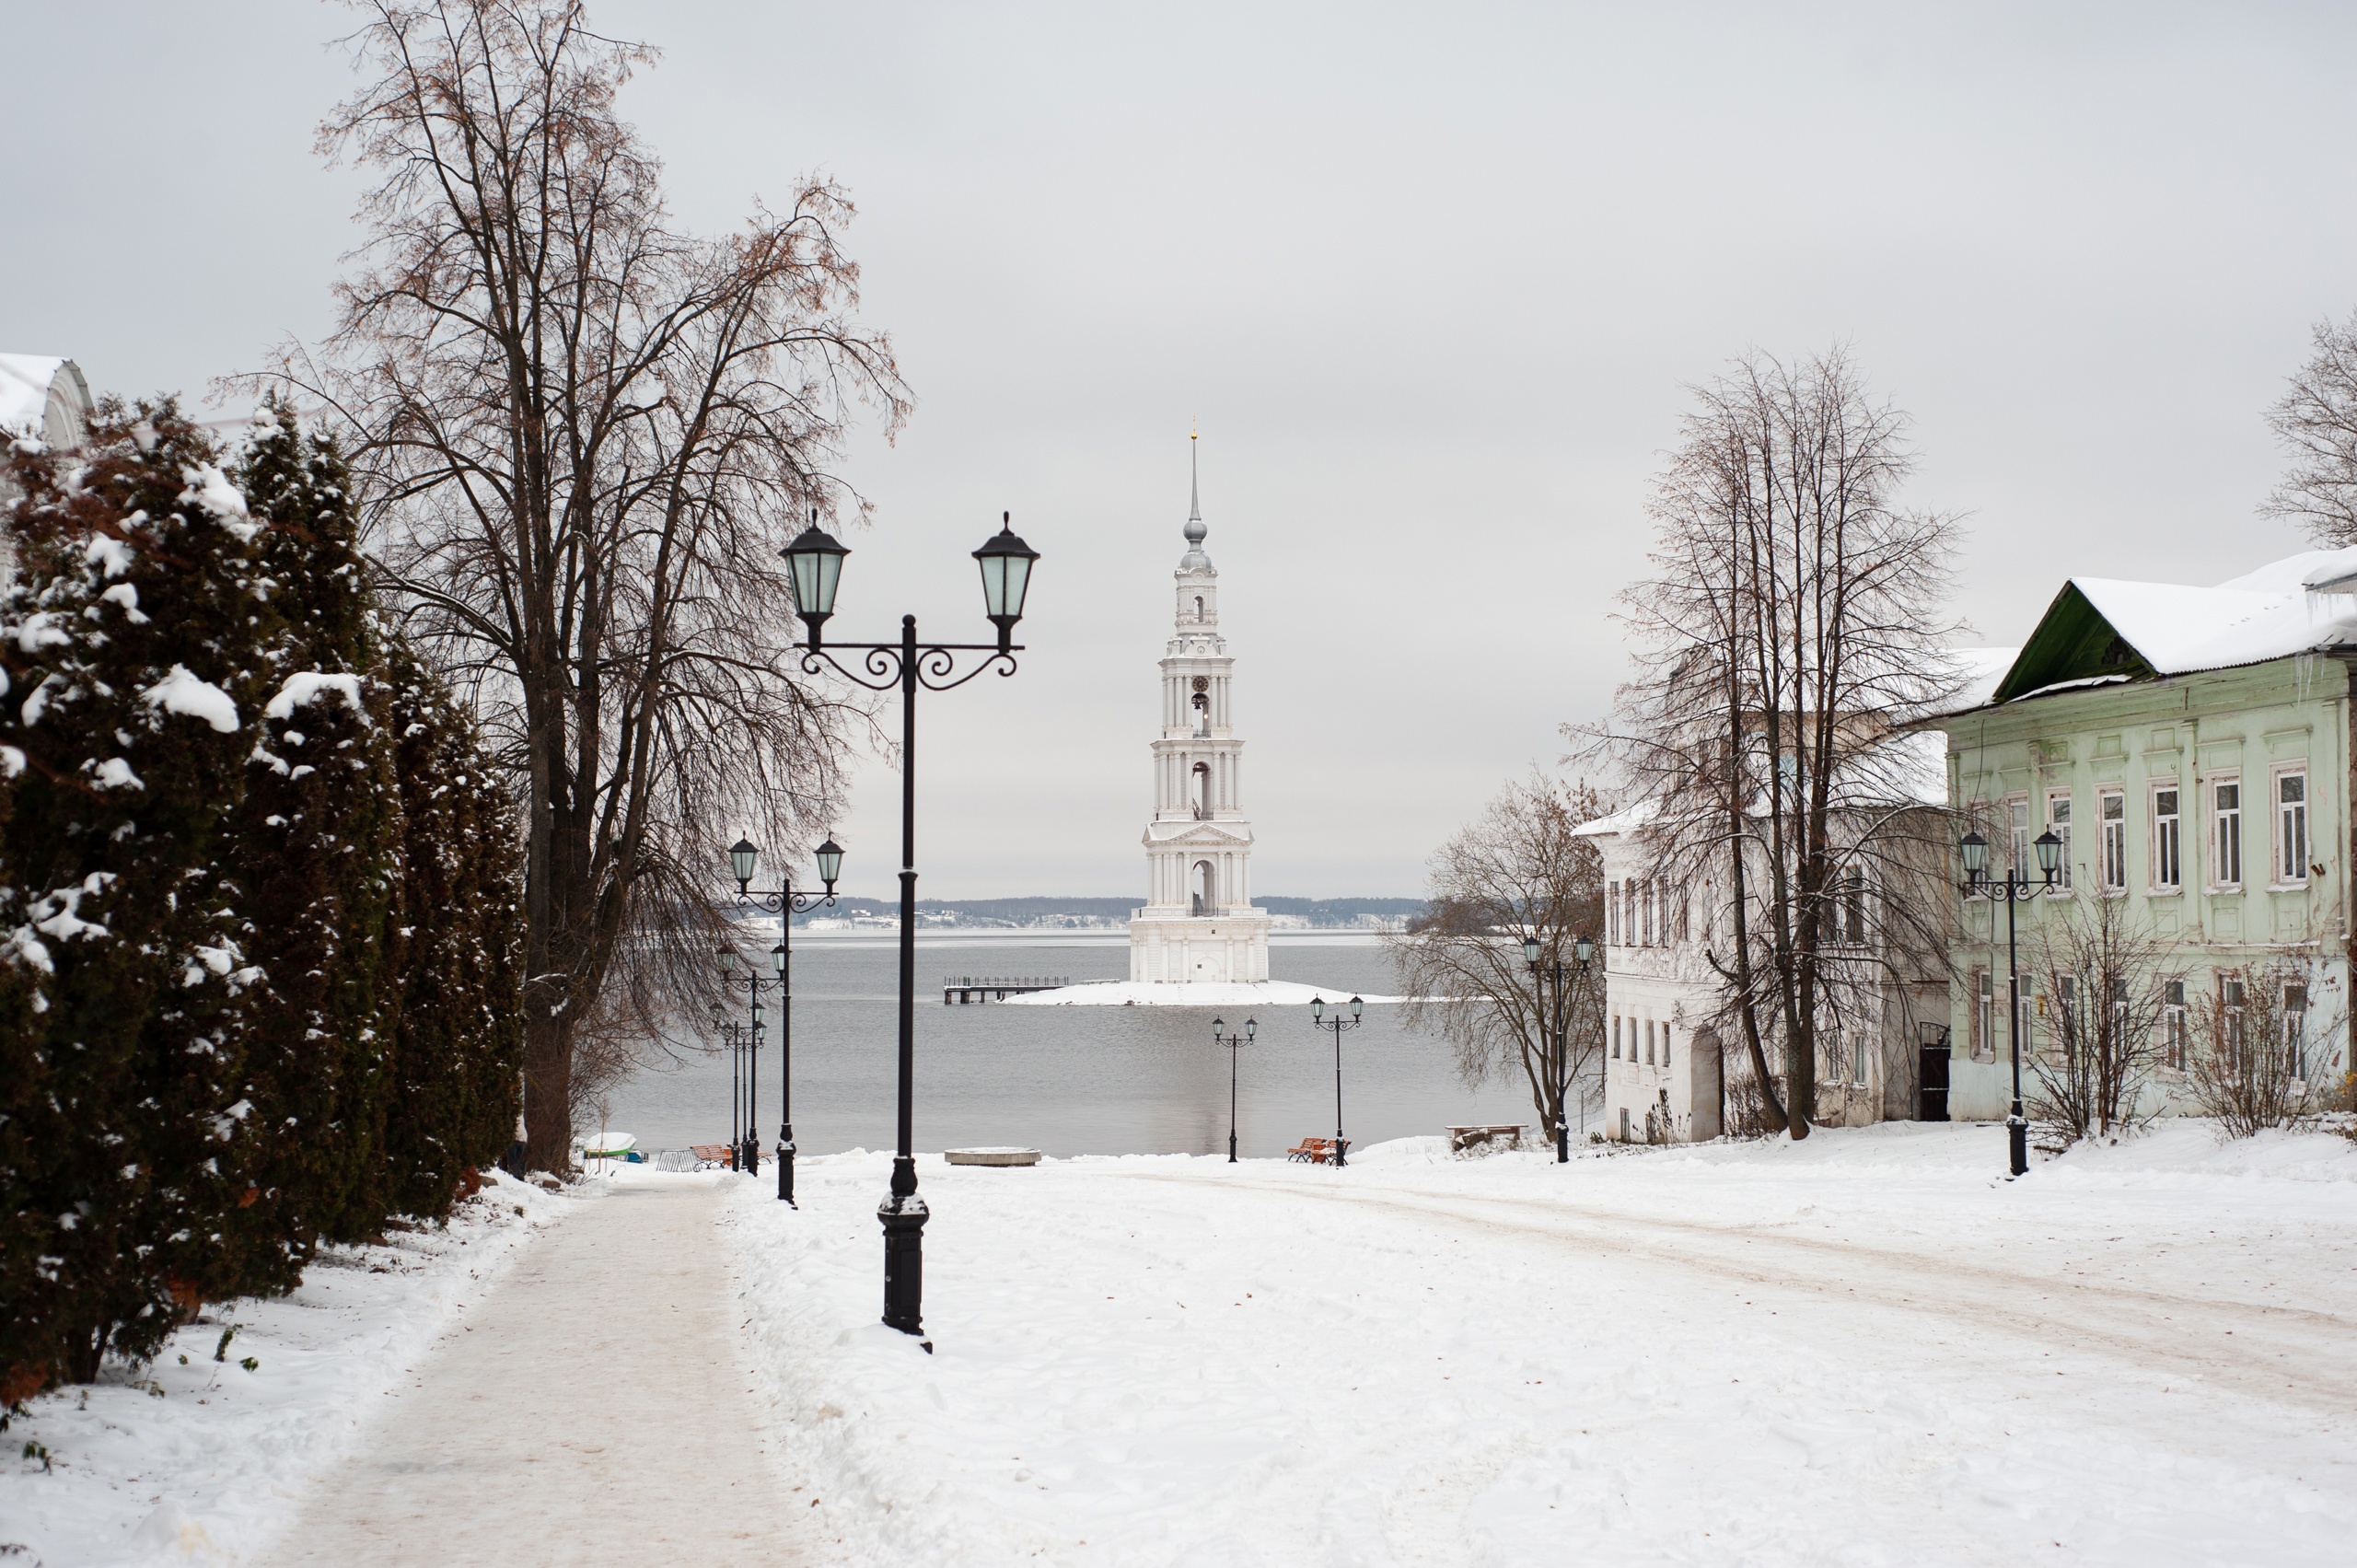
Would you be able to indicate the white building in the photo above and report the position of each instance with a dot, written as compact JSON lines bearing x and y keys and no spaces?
{"x":1199,"y":923}
{"x":44,"y":397}
{"x":1676,"y":1066}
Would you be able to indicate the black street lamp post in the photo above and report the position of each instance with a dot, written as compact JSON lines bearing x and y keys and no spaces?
{"x":1557,"y":1026}
{"x":1318,"y":1020}
{"x":728,"y":1032}
{"x":814,"y":561}
{"x":2015,"y":888}
{"x":747,"y":1143}
{"x":785,"y":903}
{"x":1251,"y":1028}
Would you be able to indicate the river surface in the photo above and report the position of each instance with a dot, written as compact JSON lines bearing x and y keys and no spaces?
{"x":1067,"y":1080}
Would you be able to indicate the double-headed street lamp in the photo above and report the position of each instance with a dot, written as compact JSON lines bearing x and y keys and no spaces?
{"x":814,"y":561}
{"x":1558,"y":1025}
{"x":2011,"y":891}
{"x":785,"y":903}
{"x":749,"y":1145}
{"x":1251,"y":1028}
{"x":732,"y":1035}
{"x":1318,"y":1020}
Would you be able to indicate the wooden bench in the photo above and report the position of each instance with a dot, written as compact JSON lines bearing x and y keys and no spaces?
{"x":713,"y":1156}
{"x":1319,"y":1151}
{"x":1463,"y":1138}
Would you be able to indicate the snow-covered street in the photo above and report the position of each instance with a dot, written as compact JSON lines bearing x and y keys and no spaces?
{"x":1861,"y":1349}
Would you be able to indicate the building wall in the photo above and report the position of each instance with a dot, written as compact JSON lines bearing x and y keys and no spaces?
{"x":2135,"y":742}
{"x":1669,"y":1051}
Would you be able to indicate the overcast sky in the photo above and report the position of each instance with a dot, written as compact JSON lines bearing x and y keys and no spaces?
{"x":1432,"y":280}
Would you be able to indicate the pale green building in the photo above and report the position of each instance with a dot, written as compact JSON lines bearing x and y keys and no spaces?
{"x":2193,"y":748}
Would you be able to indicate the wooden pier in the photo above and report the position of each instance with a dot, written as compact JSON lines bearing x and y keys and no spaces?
{"x":965,"y":988}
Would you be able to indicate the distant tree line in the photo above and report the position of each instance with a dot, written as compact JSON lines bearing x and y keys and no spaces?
{"x":260,"y":896}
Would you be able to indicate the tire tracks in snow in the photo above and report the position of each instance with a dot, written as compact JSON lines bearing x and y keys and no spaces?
{"x":2292,"y":1355}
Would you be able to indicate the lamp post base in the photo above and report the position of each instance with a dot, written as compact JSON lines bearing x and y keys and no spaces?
{"x":2017,"y":1135}
{"x":902,"y":1215}
{"x":786,"y":1165}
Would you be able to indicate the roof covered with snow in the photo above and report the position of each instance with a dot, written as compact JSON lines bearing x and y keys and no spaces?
{"x":2100,"y":629}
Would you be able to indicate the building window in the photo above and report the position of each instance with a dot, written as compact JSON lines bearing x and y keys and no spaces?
{"x":2017,"y":853}
{"x":2063,"y":1029}
{"x":2173,"y":1025}
{"x":2058,"y":821}
{"x":1664,"y":1045}
{"x":2168,"y":866}
{"x":1984,"y":1015}
{"x":1612,"y":914}
{"x":2227,"y":844}
{"x":1853,"y":906}
{"x":1858,"y":1058}
{"x":1646,"y":916}
{"x":2230,"y":993}
{"x":2292,"y":826}
{"x":2112,"y":812}
{"x":2295,"y":1030}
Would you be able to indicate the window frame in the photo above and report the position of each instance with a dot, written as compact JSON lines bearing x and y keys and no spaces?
{"x":2225,"y":833}
{"x":2174,"y":1025}
{"x":2165,"y":840}
{"x":2019,"y":859}
{"x":2281,"y":817}
{"x":2111,"y":841}
{"x":2060,"y":827}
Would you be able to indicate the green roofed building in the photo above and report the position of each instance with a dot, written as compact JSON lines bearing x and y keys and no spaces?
{"x":2193,"y":748}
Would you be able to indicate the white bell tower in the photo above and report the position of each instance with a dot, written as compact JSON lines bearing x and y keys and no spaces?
{"x":1199,"y":923}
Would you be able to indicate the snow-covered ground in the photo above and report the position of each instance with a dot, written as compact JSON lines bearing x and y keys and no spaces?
{"x":1865,"y":1348}
{"x":196,"y":1460}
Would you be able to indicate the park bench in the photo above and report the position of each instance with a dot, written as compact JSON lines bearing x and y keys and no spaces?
{"x":1463,"y":1138}
{"x":1319,"y":1151}
{"x":713,"y":1156}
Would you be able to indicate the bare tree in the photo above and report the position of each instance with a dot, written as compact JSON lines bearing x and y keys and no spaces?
{"x":1790,"y":627}
{"x":2316,"y":421}
{"x":2263,"y":1046}
{"x":2102,"y":978}
{"x":584,"y":435}
{"x":1519,"y":872}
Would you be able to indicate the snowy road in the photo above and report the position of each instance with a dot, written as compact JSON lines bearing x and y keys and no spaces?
{"x":1859,"y":1350}
{"x":2234,"y":1340}
{"x":592,"y":1406}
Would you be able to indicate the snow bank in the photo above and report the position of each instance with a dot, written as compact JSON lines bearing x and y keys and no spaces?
{"x":1158,"y":994}
{"x":200,"y":1458}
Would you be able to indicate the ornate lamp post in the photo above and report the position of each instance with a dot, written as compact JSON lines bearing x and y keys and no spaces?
{"x":748,"y":1139}
{"x":785,"y":903}
{"x":815,"y":561}
{"x":1251,"y":1028}
{"x":1557,"y":1026}
{"x":2015,"y":888}
{"x":728,"y":1032}
{"x":1317,"y":1020}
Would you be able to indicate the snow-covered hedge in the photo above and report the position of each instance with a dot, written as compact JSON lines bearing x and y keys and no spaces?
{"x":258,"y":894}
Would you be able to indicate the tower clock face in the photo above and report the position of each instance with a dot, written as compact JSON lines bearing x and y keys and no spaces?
{"x":1203,"y":683}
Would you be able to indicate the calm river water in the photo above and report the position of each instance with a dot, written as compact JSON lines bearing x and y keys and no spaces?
{"x":1068,"y":1080}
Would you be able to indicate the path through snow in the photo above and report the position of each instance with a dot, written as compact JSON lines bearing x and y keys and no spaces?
{"x":594,"y":1406}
